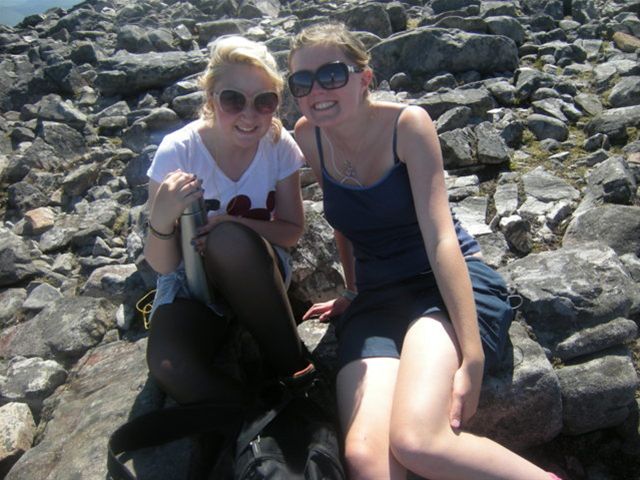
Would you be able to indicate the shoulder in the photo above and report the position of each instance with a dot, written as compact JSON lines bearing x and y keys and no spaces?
{"x":181,"y":136}
{"x":305,"y":133}
{"x":416,"y":134}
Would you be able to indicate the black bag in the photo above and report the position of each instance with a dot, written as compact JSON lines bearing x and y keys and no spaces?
{"x":293,"y":440}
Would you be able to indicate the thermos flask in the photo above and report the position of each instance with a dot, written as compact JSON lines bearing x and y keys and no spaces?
{"x":194,"y":216}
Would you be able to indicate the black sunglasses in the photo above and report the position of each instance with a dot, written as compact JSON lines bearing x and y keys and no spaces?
{"x":329,"y":76}
{"x":233,"y":101}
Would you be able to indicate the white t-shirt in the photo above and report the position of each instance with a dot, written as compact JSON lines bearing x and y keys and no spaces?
{"x":253,"y":195}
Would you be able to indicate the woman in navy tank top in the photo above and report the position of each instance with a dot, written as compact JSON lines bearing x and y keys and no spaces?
{"x":422,"y":317}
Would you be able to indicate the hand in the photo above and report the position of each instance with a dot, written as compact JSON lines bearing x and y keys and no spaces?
{"x":175,"y":193}
{"x":201,"y":240}
{"x":467,"y":383}
{"x":326,"y":310}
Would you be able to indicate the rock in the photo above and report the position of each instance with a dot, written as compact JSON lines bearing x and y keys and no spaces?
{"x":40,"y":297}
{"x":603,"y":387}
{"x":544,"y":126}
{"x":108,"y":384}
{"x":430,"y":50}
{"x":617,"y":226}
{"x":63,"y":331}
{"x":570,"y":289}
{"x":525,"y":379}
{"x":30,"y":381}
{"x":614,"y":122}
{"x":625,"y":93}
{"x":17,"y":430}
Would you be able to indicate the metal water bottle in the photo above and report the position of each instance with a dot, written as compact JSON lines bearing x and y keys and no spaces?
{"x":193,"y":217}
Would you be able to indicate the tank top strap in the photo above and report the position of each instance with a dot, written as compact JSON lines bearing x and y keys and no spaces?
{"x":319,"y":145}
{"x":396,"y":159}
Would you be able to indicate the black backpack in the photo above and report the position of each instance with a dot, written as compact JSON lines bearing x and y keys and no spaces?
{"x":293,"y":440}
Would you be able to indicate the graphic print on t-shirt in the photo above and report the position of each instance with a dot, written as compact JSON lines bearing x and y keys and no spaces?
{"x":240,"y":206}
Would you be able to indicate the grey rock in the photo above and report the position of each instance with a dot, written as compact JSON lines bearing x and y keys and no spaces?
{"x":596,"y":394}
{"x":15,"y":259}
{"x":517,"y":232}
{"x":78,"y":181}
{"x":368,"y":17}
{"x":41,"y":296}
{"x":491,"y":148}
{"x":114,"y":282}
{"x":458,"y":148}
{"x":632,"y":263}
{"x":495,"y":249}
{"x":478,"y":100}
{"x":54,"y":109}
{"x":617,"y":226}
{"x":11,"y":300}
{"x":30,"y":381}
{"x":317,"y":273}
{"x":131,"y":72}
{"x":506,"y":26}
{"x":472,"y":212}
{"x":459,"y":188}
{"x":63,"y":331}
{"x":625,"y":93}
{"x":598,"y":338}
{"x":544,"y":126}
{"x":430,"y":50}
{"x":610,"y":181}
{"x":110,"y":385}
{"x":569,"y":289}
{"x":457,"y":117}
{"x":589,"y":103}
{"x":526,"y":381}
{"x":17,"y":432}
{"x":505,"y":199}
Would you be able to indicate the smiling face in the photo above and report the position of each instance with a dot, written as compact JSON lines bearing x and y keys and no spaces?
{"x":325,"y":107}
{"x":245,"y":128}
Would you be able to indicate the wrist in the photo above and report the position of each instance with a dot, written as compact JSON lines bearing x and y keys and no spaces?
{"x":349,"y":294}
{"x":162,"y":232}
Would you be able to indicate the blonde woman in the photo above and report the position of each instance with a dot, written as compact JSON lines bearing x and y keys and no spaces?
{"x":422,"y":316}
{"x":245,"y":165}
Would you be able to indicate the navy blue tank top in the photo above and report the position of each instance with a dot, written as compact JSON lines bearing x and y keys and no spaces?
{"x":380,"y":221}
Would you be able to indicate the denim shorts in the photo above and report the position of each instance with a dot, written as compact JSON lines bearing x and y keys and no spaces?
{"x":377,"y":320}
{"x":174,"y":285}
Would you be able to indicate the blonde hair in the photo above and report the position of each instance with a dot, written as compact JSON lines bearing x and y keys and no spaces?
{"x":234,"y":50}
{"x":332,"y":33}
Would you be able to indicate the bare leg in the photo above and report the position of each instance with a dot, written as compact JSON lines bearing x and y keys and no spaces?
{"x":420,"y":435}
{"x":364,"y":390}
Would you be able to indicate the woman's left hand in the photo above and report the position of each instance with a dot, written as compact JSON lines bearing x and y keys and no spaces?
{"x":203,"y":231}
{"x":467,"y":383}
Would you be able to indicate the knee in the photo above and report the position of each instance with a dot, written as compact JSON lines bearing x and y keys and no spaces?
{"x":366,"y":460}
{"x":413,"y":446}
{"x":230,"y":242}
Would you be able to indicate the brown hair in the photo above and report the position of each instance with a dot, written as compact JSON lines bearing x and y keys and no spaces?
{"x":233,"y":50}
{"x":332,"y":33}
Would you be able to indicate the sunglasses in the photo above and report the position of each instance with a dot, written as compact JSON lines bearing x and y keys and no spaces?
{"x":329,"y":76}
{"x":232,"y":101}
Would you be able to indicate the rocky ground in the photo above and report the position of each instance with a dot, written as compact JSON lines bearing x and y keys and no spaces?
{"x":537,"y":105}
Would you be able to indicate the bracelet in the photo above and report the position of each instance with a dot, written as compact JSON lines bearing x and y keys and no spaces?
{"x":160,"y":235}
{"x":349,"y":294}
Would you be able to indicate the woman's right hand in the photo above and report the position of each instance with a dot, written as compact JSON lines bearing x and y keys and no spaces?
{"x":175,"y":193}
{"x":325,"y":310}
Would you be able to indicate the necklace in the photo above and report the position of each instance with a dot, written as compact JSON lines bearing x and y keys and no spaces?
{"x":350,"y":174}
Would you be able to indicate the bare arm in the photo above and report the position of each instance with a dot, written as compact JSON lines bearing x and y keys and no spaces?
{"x":167,"y":201}
{"x":420,"y":149}
{"x":305,"y":137}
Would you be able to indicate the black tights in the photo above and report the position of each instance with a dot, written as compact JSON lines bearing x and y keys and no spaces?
{"x":186,"y":335}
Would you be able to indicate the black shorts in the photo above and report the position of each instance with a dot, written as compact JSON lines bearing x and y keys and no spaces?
{"x":377,"y":320}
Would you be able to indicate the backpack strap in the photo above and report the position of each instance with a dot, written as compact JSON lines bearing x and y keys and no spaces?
{"x":164,"y":425}
{"x":252,"y":429}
